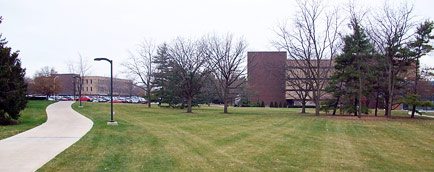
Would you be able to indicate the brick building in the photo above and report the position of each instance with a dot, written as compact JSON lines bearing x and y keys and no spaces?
{"x":273,"y":78}
{"x":266,"y":76}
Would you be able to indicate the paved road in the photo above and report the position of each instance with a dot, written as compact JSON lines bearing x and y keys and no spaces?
{"x":31,"y":149}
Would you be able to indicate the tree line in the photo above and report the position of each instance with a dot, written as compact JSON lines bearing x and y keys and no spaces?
{"x":377,"y":59}
{"x":186,"y":71}
{"x":339,"y":68}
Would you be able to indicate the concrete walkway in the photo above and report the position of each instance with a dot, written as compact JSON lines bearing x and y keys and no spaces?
{"x":418,"y":114}
{"x":30,"y":150}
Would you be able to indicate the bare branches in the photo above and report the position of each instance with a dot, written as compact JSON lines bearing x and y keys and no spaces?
{"x":140,"y":66}
{"x":227,"y":56}
{"x":390,"y":32}
{"x":81,"y":66}
{"x":190,"y":60}
{"x":311,"y":45}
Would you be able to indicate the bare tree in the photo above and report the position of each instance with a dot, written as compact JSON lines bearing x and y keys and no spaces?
{"x":141,"y":67}
{"x":80,"y":66}
{"x":311,"y":45}
{"x":191,"y":65}
{"x":228,"y":56}
{"x":391,"y":31}
{"x":46,"y":82}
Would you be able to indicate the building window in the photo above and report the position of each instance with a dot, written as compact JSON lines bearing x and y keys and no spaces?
{"x":87,"y":82}
{"x":87,"y":89}
{"x":91,"y":83}
{"x":90,"y":87}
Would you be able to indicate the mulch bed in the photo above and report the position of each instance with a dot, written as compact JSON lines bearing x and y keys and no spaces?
{"x":11,"y":123}
{"x":374,"y":117}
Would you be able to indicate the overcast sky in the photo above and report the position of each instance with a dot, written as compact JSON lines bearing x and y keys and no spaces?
{"x":53,"y":32}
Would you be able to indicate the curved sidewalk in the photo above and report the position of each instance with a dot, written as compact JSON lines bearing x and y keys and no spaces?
{"x":31,"y":149}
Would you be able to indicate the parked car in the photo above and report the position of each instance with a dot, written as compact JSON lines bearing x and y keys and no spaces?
{"x":135,"y":101}
{"x":103,"y":100}
{"x":84,"y":98}
{"x":116,"y":101}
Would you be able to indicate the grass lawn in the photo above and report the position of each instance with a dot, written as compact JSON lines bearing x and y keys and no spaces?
{"x":32,"y":116}
{"x":249,"y":139}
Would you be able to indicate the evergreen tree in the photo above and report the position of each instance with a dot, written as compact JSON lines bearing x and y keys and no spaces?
{"x":166,"y":83}
{"x":12,"y":86}
{"x":280,"y":105}
{"x":275,"y":104}
{"x":349,"y":82}
{"x":418,"y":48}
{"x":262,"y":103}
{"x":271,"y":104}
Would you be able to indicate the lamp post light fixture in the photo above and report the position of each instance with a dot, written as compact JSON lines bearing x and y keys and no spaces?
{"x":79,"y":89}
{"x":111,"y":122}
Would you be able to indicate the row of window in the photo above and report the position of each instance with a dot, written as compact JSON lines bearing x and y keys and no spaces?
{"x":87,"y":81}
{"x":87,"y":89}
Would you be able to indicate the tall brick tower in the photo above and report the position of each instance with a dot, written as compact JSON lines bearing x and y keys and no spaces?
{"x":266,"y":76}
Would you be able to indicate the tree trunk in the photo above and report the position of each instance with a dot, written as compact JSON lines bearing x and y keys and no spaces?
{"x":336,"y":106}
{"x":385,"y":109}
{"x":355,"y":104}
{"x":303,"y":105}
{"x":183,"y":103}
{"x":413,"y":110}
{"x":225,"y":100}
{"x":360,"y":92}
{"x":317,"y":101}
{"x":416,"y":80}
{"x":376,"y":102}
{"x":149,"y":97}
{"x":189,"y":105}
{"x":390,"y":89}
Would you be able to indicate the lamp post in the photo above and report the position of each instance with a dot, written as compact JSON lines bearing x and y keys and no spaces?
{"x":111,"y":122}
{"x":54,"y":90}
{"x":73,"y":89}
{"x":79,"y":89}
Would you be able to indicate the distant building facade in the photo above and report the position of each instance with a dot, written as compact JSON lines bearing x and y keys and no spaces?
{"x":266,"y":76}
{"x":67,"y":82}
{"x":96,"y":85}
{"x":273,"y":78}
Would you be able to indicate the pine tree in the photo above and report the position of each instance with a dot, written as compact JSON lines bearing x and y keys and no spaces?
{"x":262,"y":104}
{"x":166,"y":83}
{"x":349,"y":82}
{"x":271,"y":104}
{"x":12,"y":86}
{"x":418,"y":48}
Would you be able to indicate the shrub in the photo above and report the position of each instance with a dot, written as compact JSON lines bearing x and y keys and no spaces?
{"x":262,"y":103}
{"x":271,"y":104}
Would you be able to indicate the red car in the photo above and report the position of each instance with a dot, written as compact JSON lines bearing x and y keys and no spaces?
{"x":116,"y":101}
{"x":86,"y":99}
